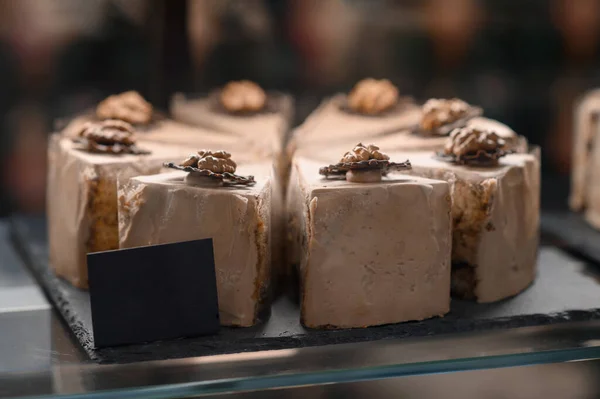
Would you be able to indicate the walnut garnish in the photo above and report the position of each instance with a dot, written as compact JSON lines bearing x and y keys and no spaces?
{"x":129,"y":107}
{"x":216,"y":165}
{"x":110,"y":136}
{"x":371,"y":96}
{"x":471,"y":145}
{"x":243,"y":96}
{"x":363,"y":153}
{"x":364,"y":164}
{"x":215,"y":161}
{"x":439,"y":112}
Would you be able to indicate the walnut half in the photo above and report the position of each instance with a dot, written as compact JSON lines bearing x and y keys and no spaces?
{"x":243,"y":96}
{"x":438,"y":112}
{"x":371,"y":96}
{"x":215,"y":161}
{"x":129,"y":107}
{"x":363,"y":153}
{"x":471,"y":143}
{"x":110,"y":136}
{"x":108,"y":132}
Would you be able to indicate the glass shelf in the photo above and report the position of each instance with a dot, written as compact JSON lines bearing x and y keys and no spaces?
{"x":68,"y":374}
{"x":44,"y":360}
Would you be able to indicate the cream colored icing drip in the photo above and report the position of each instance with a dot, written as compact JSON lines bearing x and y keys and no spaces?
{"x":369,"y":253}
{"x":164,"y":209}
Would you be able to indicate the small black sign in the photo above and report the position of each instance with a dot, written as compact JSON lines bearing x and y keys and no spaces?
{"x":153,"y":293}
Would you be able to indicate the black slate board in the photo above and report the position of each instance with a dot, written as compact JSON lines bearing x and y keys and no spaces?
{"x":565,"y":290}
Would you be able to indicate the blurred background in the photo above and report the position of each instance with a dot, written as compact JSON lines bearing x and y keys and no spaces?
{"x":525,"y":62}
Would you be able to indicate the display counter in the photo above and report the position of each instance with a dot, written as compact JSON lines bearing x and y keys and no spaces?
{"x":50,"y":362}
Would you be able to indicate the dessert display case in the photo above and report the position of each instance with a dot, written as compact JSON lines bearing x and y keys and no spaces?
{"x":359,"y":234}
{"x":310,"y":256}
{"x":433,"y":244}
{"x":540,"y":325}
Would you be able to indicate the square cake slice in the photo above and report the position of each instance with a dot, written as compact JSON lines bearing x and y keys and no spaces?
{"x":82,"y":200}
{"x":495,"y":213}
{"x":168,"y":208}
{"x":368,"y":253}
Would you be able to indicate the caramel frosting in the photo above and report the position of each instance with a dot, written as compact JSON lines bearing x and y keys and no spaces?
{"x":129,"y":107}
{"x":372,"y":97}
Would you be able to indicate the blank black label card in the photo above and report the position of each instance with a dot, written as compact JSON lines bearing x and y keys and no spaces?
{"x":152,"y":293}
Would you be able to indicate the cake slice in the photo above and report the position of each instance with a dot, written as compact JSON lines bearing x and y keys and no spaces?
{"x":151,"y":126}
{"x":368,"y":253}
{"x":268,"y":126}
{"x":495,"y":214}
{"x":244,"y":112}
{"x":495,"y":218}
{"x":82,"y":194}
{"x":171,"y":132}
{"x":182,"y":206}
{"x":409,"y":141}
{"x":333,"y":123}
{"x":424,"y":128}
{"x":585,"y":190}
